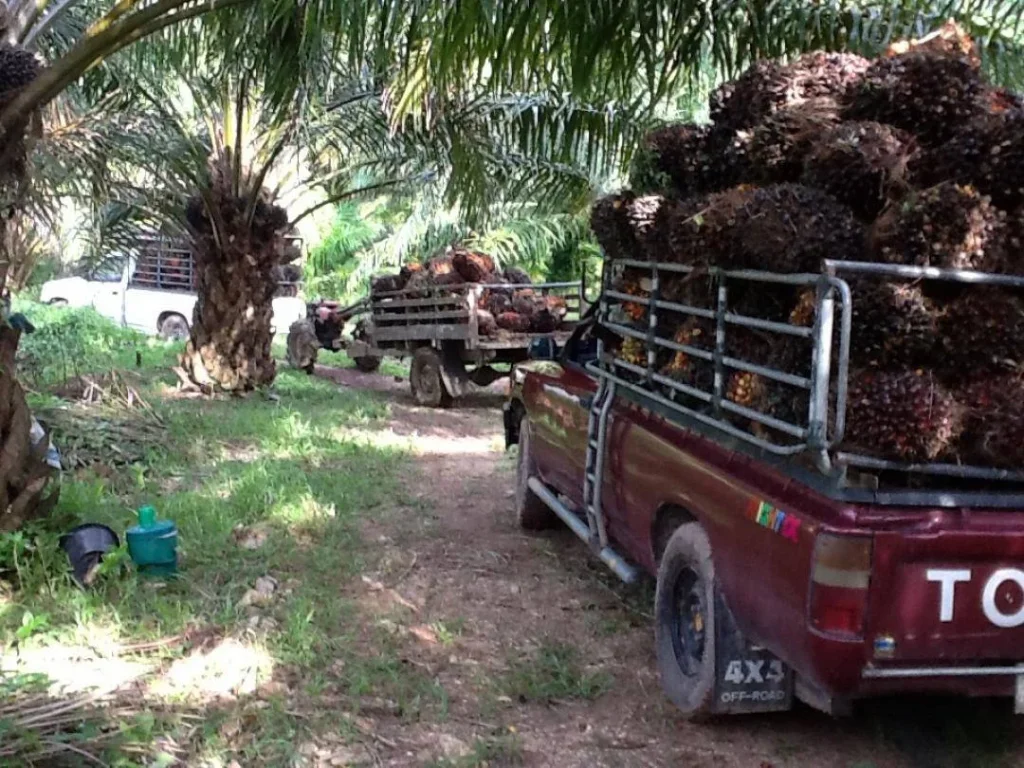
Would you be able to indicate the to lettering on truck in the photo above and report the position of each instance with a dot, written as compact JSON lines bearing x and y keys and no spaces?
{"x":948,"y":578}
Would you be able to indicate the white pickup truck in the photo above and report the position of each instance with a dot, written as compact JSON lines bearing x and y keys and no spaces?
{"x":152,"y":294}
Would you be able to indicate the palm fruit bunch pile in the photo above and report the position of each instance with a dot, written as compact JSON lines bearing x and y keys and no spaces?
{"x":908,"y":159}
{"x":508,"y":303}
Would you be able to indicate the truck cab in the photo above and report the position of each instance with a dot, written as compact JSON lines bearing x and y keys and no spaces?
{"x":770,"y":585}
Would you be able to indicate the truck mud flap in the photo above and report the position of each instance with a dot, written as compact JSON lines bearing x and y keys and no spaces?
{"x":748,"y":678}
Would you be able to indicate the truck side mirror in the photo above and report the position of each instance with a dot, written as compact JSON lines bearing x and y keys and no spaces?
{"x":542,"y":348}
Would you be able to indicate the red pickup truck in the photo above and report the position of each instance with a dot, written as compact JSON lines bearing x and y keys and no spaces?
{"x":772,"y":581}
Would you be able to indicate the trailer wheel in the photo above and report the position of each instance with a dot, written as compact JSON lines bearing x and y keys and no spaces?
{"x":367,"y":364}
{"x":425,"y":379}
{"x":685,"y":622}
{"x":532,"y":513}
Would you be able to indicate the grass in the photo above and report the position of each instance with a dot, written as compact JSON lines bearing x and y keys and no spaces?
{"x":306,"y":471}
{"x":553,"y":672}
{"x":499,"y":750}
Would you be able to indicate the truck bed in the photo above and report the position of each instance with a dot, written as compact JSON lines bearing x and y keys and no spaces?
{"x":809,"y":450}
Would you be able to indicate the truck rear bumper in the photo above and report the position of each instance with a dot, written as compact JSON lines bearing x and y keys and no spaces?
{"x":974,"y":681}
{"x":844,"y":669}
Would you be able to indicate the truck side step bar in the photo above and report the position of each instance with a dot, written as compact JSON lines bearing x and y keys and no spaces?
{"x":608,"y":556}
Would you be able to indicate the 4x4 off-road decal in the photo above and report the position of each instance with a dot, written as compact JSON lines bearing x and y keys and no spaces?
{"x":748,"y":678}
{"x":786,"y":524}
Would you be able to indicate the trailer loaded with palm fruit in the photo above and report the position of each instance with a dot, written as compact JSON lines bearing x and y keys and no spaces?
{"x":456,"y":317}
{"x":832,"y":271}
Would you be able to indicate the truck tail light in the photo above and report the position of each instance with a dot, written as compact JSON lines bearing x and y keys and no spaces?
{"x":840,"y":576}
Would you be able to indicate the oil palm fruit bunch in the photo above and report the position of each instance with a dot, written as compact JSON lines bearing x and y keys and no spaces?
{"x":516,"y":276}
{"x":777,"y":146}
{"x":18,"y":68}
{"x":513,"y":321}
{"x":632,"y":282}
{"x":641,"y":214}
{"x":903,"y":416}
{"x":948,"y":40}
{"x":893,"y":323}
{"x":805,"y":309}
{"x":994,"y":432}
{"x":385,"y":284}
{"x":486,"y":322}
{"x":746,"y":389}
{"x":988,"y":153}
{"x":472,"y":266}
{"x":683,"y":230}
{"x":407,"y":271}
{"x":930,"y":95}
{"x":695,"y":332}
{"x":496,"y":302}
{"x":609,"y":220}
{"x":982,"y":330}
{"x":948,"y":225}
{"x":769,"y":86}
{"x":440,"y":265}
{"x":861,"y":164}
{"x":674,"y":158}
{"x":633,"y":351}
{"x":787,"y":228}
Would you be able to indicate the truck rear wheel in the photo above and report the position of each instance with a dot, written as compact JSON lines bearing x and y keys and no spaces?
{"x":532,"y":513}
{"x":685,"y":622}
{"x":426,"y":381}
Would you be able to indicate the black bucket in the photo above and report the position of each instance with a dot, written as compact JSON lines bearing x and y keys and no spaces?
{"x":85,"y":547}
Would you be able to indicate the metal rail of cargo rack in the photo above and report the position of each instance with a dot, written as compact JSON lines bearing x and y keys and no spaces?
{"x":820,"y":439}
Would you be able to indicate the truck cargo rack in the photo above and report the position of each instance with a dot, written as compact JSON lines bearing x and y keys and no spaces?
{"x":448,"y":313}
{"x":812,"y":451}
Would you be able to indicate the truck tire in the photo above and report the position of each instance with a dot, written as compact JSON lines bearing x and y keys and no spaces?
{"x":425,"y":378}
{"x":685,"y":622}
{"x":174,"y":328}
{"x":367,"y":364}
{"x":531,"y":513}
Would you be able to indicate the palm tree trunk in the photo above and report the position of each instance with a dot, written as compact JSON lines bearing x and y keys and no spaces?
{"x":229,"y":346}
{"x":24,"y":473}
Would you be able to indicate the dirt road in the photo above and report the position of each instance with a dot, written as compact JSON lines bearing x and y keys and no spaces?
{"x":488,"y":602}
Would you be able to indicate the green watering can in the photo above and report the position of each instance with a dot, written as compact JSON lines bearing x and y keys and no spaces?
{"x":153,"y":544}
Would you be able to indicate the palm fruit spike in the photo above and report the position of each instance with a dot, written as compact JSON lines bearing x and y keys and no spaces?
{"x":982,"y":330}
{"x":929,"y":95}
{"x":903,"y":416}
{"x":673,"y":158}
{"x":768,"y":86}
{"x":861,"y":164}
{"x":893,"y":323}
{"x":948,"y":226}
{"x":994,"y":434}
{"x":787,"y":228}
{"x":777,"y":147}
